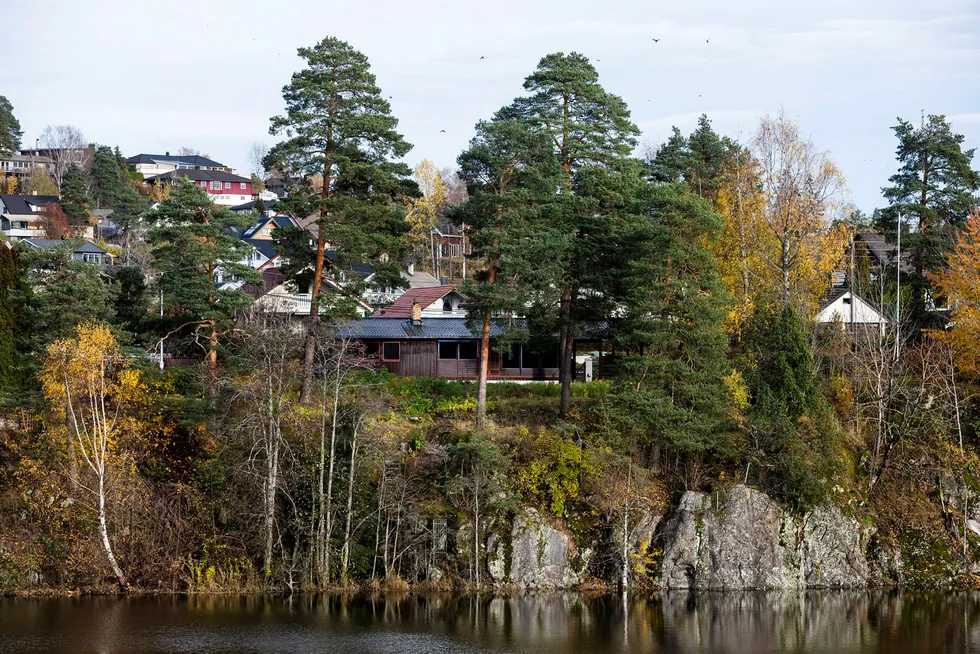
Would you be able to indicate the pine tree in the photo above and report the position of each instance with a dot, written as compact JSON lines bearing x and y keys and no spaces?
{"x":589,"y":128}
{"x":193,"y":244}
{"x":10,"y":131}
{"x":511,"y":175}
{"x":709,"y":157}
{"x":934,"y":190}
{"x":673,"y":159}
{"x":340,"y":133}
{"x":8,"y":315}
{"x":107,"y":182}
{"x":671,"y":387}
{"x":74,"y":198}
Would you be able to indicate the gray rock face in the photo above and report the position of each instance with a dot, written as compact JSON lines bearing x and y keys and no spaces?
{"x":747,"y":541}
{"x":536,"y":555}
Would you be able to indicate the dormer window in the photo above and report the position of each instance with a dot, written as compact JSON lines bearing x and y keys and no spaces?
{"x":447,"y":306}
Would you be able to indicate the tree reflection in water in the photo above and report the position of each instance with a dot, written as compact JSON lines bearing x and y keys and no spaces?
{"x":566,"y":623}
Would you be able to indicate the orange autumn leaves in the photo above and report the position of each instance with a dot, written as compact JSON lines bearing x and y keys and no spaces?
{"x":959,"y":283}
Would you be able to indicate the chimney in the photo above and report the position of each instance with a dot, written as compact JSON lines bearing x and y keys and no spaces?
{"x":444,"y":280}
{"x":416,"y":312}
{"x":167,"y":153}
{"x":411,"y":268}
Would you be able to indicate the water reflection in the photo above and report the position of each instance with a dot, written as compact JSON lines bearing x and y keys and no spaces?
{"x":567,"y":623}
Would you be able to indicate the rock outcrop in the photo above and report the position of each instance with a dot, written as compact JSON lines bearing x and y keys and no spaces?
{"x":535,"y":555}
{"x":744,"y":540}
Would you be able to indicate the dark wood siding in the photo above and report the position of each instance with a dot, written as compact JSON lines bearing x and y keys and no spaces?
{"x":418,"y":359}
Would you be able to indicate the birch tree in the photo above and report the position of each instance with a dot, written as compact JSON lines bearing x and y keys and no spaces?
{"x":87,"y":380}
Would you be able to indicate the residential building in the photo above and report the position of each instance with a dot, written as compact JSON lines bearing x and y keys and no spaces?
{"x":415,"y":279}
{"x":19,"y":217}
{"x":224,"y":188}
{"x":86,"y":251}
{"x":281,"y":296}
{"x":152,"y":165}
{"x":21,"y":165}
{"x":431,"y":302}
{"x":259,"y":236}
{"x":450,"y":247}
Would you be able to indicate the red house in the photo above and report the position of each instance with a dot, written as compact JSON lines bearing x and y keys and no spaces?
{"x":224,"y":188}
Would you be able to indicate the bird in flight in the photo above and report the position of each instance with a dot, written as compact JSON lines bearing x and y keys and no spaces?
{"x":656,"y":40}
{"x":442,"y":131}
{"x":707,"y":40}
{"x":481,"y":57}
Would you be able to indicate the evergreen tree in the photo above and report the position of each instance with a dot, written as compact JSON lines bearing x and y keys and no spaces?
{"x":511,"y":174}
{"x":341,"y":138}
{"x":74,"y":198}
{"x":671,"y":387}
{"x":107,"y":180}
{"x":132,"y":303}
{"x":709,"y":156}
{"x":10,"y":131}
{"x":8,"y":315}
{"x":589,"y":129}
{"x":934,"y":191}
{"x":673,"y":159}
{"x":194,"y":249}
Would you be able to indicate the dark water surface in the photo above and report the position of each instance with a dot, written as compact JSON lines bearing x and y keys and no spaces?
{"x":839,"y":622}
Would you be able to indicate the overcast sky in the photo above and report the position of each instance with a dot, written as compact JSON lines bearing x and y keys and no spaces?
{"x":153,"y":77}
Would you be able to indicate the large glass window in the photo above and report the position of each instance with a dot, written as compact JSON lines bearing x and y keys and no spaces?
{"x":447,"y":350}
{"x":467,"y":350}
{"x":512,"y":358}
{"x":391,"y":352}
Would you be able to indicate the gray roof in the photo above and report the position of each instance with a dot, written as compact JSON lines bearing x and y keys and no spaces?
{"x":20,"y":205}
{"x":402,"y":328}
{"x":86,"y":247}
{"x":187,"y":160}
{"x":200,"y":175}
{"x":449,"y":328}
{"x":248,"y":206}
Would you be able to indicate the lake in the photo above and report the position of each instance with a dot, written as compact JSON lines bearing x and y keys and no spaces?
{"x":753,"y":623}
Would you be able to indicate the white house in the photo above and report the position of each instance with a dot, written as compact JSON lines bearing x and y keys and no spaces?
{"x":152,"y":165}
{"x":19,"y":217}
{"x":846,"y":307}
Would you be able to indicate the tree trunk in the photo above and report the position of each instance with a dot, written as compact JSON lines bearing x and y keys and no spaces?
{"x":309,"y":357}
{"x":271,"y":484}
{"x":104,"y":533}
{"x":345,"y":551}
{"x":784,"y":265}
{"x":481,"y":386}
{"x":476,"y":531}
{"x":566,"y":363}
{"x":328,"y":512}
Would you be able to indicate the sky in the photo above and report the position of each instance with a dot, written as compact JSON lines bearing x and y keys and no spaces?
{"x":153,"y":77}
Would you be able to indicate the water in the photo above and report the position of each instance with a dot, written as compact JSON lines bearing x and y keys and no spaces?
{"x":753,"y":623}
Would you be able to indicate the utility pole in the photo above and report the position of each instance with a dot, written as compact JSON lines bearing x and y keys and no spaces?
{"x":161,"y":316}
{"x":898,"y":291}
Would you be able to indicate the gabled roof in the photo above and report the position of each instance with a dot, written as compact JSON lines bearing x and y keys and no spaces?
{"x":403,"y":328}
{"x":402,"y":306}
{"x":87,"y":247}
{"x":281,"y":221}
{"x":188,"y":160}
{"x":248,"y":206}
{"x":200,"y":176}
{"x":837,"y":292}
{"x":20,"y":205}
{"x":881,"y":249}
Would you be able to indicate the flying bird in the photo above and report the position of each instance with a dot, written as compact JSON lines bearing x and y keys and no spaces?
{"x":442,"y":131}
{"x":707,"y":40}
{"x":481,"y":57}
{"x":656,"y":40}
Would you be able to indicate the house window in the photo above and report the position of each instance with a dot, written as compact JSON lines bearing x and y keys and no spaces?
{"x":512,"y":359}
{"x":266,"y":231}
{"x":467,"y":350}
{"x":447,"y":306}
{"x":215,"y":186}
{"x":391,"y":351}
{"x":372,"y":350}
{"x":242,"y":185}
{"x":228,"y":185}
{"x":447,"y":350}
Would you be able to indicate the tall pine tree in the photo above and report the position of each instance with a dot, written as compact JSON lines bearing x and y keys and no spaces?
{"x":341,"y":137}
{"x":10,"y":131}
{"x":588,"y":128}
{"x":74,"y":199}
{"x":934,"y":191}
{"x":511,"y":175}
